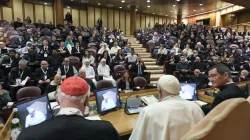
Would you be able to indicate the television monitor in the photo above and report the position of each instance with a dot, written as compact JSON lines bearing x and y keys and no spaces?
{"x":107,"y":100}
{"x":34,"y":111}
{"x":188,"y":91}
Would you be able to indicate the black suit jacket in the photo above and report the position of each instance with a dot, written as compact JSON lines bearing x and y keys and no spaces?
{"x":39,"y":75}
{"x":6,"y":60}
{"x":122,"y":85}
{"x":17,"y":43}
{"x":135,"y":68}
{"x":75,"y":51}
{"x":78,"y":128}
{"x":226,"y":92}
{"x":14,"y":74}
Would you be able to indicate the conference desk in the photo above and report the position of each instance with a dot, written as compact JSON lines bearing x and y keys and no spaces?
{"x":124,"y":123}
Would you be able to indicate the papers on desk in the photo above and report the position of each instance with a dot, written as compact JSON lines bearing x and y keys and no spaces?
{"x":93,"y":118}
{"x":201,"y":103}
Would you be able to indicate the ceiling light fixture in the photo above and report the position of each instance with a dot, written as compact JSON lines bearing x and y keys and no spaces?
{"x":123,"y":1}
{"x":99,"y":3}
{"x":68,"y":7}
{"x":177,"y":0}
{"x":45,"y":3}
{"x":171,"y":11}
{"x":201,"y":4}
{"x":153,"y":13}
{"x":120,"y":7}
{"x":136,"y":9}
{"x":148,"y":6}
{"x":194,"y":10}
{"x":174,"y":5}
{"x":166,"y":15}
{"x":148,"y":0}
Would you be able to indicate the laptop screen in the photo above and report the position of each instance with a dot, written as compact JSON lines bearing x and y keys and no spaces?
{"x":188,"y":91}
{"x":34,"y":111}
{"x":107,"y":99}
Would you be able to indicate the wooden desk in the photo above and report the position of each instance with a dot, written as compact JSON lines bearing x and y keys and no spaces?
{"x":124,"y":123}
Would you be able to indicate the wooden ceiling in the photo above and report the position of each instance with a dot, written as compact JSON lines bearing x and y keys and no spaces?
{"x":169,"y":8}
{"x":160,"y":7}
{"x":244,"y":3}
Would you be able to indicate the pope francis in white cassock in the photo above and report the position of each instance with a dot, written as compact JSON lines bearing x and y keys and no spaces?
{"x":171,"y":118}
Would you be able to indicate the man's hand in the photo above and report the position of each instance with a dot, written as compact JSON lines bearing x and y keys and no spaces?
{"x":19,"y":46}
{"x":40,"y":82}
{"x":47,"y":81}
{"x":64,"y":77}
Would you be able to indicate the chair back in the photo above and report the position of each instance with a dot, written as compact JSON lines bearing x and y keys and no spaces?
{"x":74,"y":61}
{"x":230,"y":120}
{"x":140,"y":82}
{"x":31,"y":91}
{"x":92,"y":52}
{"x":103,"y":84}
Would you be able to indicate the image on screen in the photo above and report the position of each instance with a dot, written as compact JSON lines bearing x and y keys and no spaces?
{"x":34,"y":112}
{"x":188,"y":91}
{"x":107,"y":99}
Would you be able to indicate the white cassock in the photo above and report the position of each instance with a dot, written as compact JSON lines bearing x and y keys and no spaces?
{"x":105,"y":72}
{"x":36,"y":119}
{"x":170,"y":119}
{"x":107,"y":105}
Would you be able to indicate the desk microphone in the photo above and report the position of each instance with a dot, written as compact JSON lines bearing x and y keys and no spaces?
{"x":133,"y":103}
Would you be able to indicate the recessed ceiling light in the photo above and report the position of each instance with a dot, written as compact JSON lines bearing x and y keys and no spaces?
{"x":99,"y":3}
{"x":45,"y":3}
{"x":148,"y":6}
{"x":68,"y":7}
{"x":174,"y":5}
{"x":148,"y":0}
{"x":201,"y":4}
{"x":120,"y":7}
{"x":171,"y":11}
{"x":153,"y":13}
{"x":194,"y":10}
{"x":136,"y":9}
{"x":71,"y":0}
{"x":123,"y":1}
{"x":177,"y":0}
{"x":166,"y":15}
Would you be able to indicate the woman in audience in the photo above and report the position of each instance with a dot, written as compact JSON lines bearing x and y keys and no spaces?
{"x":104,"y":71}
{"x":106,"y":56}
{"x":127,"y":49}
{"x":244,"y":76}
{"x":87,"y":56}
{"x":3,"y":39}
{"x":69,"y":41}
{"x":126,"y":83}
{"x":119,"y":58}
{"x":188,"y":50}
{"x":90,"y":72}
{"x":161,"y":55}
{"x":104,"y":47}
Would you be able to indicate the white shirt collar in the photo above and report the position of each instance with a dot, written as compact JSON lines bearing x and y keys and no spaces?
{"x":170,"y":97}
{"x":69,"y":111}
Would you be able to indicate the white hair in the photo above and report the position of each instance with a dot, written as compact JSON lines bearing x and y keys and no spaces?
{"x":244,"y":71}
{"x":63,"y":96}
{"x":23,"y":62}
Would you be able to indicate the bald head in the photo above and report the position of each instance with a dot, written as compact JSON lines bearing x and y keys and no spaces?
{"x":82,"y":73}
{"x":58,"y":79}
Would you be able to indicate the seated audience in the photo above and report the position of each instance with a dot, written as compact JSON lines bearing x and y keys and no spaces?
{"x":4,"y":99}
{"x":184,"y":69}
{"x":20,"y":42}
{"x":55,"y":60}
{"x":66,"y":70}
{"x":104,"y":71}
{"x":132,"y":57}
{"x":88,"y":56}
{"x":163,"y":115}
{"x":106,"y":56}
{"x":114,"y":49}
{"x":53,"y":86}
{"x":10,"y":59}
{"x":126,"y":82}
{"x":244,"y":76}
{"x":73,"y":100}
{"x":104,"y":47}
{"x":90,"y":73}
{"x":43,"y":76}
{"x":127,"y":49}
{"x":200,"y":80}
{"x":119,"y":58}
{"x":82,"y":74}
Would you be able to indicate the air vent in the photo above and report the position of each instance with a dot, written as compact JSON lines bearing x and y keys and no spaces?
{"x":109,"y":5}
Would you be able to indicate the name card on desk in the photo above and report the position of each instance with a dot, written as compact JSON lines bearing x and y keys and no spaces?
{"x":93,"y":118}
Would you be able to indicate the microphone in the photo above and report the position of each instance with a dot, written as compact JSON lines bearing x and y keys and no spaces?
{"x":134,"y":104}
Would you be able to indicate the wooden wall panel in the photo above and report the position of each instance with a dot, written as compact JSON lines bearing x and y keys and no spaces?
{"x":128,"y":23}
{"x":104,"y":18}
{"x":143,"y":21}
{"x":75,"y":16}
{"x":1,"y":13}
{"x":48,"y":14}
{"x":39,"y":13}
{"x":116,"y":19}
{"x":29,"y":11}
{"x":152,"y":21}
{"x":160,"y":20}
{"x":97,"y":14}
{"x":91,"y":20}
{"x":156,"y":19}
{"x":18,"y":9}
{"x":212,"y":17}
{"x":111,"y":19}
{"x":148,"y":20}
{"x":83,"y":18}
{"x":54,"y":9}
{"x":7,"y":14}
{"x":138,"y":21}
{"x":122,"y":21}
{"x":66,"y":10}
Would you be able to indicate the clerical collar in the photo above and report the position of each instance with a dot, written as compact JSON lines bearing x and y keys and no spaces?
{"x":169,"y":97}
{"x":69,"y":111}
{"x":226,"y":85}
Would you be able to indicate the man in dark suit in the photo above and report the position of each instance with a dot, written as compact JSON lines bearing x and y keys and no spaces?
{"x":63,"y":51}
{"x":77,"y":50}
{"x":43,"y":75}
{"x":77,"y":128}
{"x":199,"y":65}
{"x":10,"y":59}
{"x":246,"y":66}
{"x":99,"y":24}
{"x":19,"y":73}
{"x":184,"y":69}
{"x":55,"y":60}
{"x":221,"y":78}
{"x":20,"y":42}
{"x":45,"y":50}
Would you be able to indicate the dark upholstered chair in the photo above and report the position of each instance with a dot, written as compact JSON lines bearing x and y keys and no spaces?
{"x":103,"y":84}
{"x":140,"y":82}
{"x":118,"y":71}
{"x":28,"y":92}
{"x":75,"y":61}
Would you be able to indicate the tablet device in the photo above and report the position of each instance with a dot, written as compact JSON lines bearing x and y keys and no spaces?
{"x":107,"y":100}
{"x":34,"y":111}
{"x":188,"y":91}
